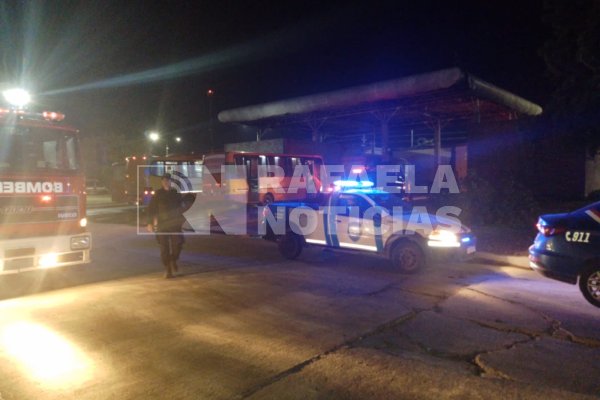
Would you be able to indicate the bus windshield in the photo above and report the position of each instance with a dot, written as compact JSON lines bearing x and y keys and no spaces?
{"x":191,"y":169}
{"x":37,"y":149}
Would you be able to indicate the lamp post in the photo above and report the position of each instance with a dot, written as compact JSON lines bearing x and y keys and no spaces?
{"x":210,"y":93}
{"x":155,"y":137}
{"x":177,"y":140}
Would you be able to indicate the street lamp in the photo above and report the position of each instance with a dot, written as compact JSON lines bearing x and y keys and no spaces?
{"x":17,"y":97}
{"x":210,"y":93}
{"x":177,"y":140}
{"x":154,"y":136}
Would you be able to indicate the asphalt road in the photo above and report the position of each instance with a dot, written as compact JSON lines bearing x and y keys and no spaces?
{"x":241,"y":322}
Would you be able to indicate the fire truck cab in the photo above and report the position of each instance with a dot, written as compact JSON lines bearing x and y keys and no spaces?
{"x":42,"y":191}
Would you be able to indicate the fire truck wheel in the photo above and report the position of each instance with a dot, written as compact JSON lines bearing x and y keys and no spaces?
{"x":407,"y":257}
{"x":290,"y":245}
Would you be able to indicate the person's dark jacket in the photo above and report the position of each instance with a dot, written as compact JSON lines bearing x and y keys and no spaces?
{"x":166,"y":207}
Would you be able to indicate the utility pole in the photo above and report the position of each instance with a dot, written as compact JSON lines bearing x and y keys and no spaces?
{"x":210,"y":93}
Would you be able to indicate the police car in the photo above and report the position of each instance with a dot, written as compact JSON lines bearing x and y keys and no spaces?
{"x":567,"y":248}
{"x":357,"y":217}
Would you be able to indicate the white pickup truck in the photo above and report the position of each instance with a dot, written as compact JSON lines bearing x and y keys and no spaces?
{"x":367,"y":220}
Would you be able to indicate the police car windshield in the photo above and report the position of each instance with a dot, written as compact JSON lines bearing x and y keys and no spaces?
{"x":37,"y":149}
{"x":386,"y":200}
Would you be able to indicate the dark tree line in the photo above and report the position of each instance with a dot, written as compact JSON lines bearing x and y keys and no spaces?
{"x":572,"y":57}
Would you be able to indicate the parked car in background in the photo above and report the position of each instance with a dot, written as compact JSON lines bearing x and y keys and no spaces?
{"x":567,"y":248}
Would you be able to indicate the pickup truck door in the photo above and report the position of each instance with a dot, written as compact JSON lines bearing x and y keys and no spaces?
{"x":352,"y":231}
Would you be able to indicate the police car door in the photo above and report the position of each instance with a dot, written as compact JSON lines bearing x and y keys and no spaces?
{"x":583,"y":237}
{"x":353,"y":231}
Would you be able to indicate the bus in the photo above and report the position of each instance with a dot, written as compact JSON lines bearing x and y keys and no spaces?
{"x":126,"y":186}
{"x":136,"y":180}
{"x":258,"y":182}
{"x":185,"y":170}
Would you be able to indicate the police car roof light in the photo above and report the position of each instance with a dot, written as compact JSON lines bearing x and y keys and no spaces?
{"x":353,"y":184}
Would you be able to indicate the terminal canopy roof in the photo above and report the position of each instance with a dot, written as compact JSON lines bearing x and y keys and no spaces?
{"x":447,"y":95}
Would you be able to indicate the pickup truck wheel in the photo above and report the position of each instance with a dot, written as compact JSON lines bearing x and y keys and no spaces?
{"x":589,"y":284}
{"x":290,"y":245}
{"x":407,"y":257}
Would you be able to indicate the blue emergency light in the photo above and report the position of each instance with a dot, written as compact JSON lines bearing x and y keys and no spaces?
{"x":340,"y":184}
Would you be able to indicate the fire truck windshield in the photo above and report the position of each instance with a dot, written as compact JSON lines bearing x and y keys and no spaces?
{"x":37,"y":150}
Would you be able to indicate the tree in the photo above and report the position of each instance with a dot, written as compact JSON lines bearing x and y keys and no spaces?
{"x":572,"y":57}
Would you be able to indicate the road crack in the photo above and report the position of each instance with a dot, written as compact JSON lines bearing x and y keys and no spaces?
{"x":504,"y":329}
{"x":346,"y":344}
{"x":381,"y":290}
{"x":485,"y":371}
{"x":480,"y":368}
{"x":555,"y":329}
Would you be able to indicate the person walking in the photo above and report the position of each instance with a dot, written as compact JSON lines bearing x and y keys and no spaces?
{"x":165,"y":217}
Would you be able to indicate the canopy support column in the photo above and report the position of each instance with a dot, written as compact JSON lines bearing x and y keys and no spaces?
{"x":435,"y":123}
{"x":385,"y":139}
{"x":314,"y":124}
{"x":384,"y":118}
{"x":437,"y":142}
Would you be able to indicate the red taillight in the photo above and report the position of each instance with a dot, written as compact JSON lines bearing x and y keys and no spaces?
{"x":548,"y":230}
{"x":11,"y":110}
{"x":46,"y":198}
{"x":53,"y":116}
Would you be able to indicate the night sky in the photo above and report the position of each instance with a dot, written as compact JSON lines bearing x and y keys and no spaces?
{"x":126,"y":67}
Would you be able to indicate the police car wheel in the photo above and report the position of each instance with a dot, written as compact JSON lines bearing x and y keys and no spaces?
{"x":407,"y":257}
{"x":589,"y":284}
{"x":290,"y":245}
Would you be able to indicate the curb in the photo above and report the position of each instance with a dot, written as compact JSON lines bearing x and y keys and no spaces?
{"x":515,"y":261}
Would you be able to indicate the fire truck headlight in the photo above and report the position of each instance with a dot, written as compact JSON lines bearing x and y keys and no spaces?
{"x":83,"y":222}
{"x":80,"y":242}
{"x":17,"y":97}
{"x":48,"y":260}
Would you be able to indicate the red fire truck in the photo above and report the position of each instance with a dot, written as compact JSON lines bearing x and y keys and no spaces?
{"x":42,"y":190}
